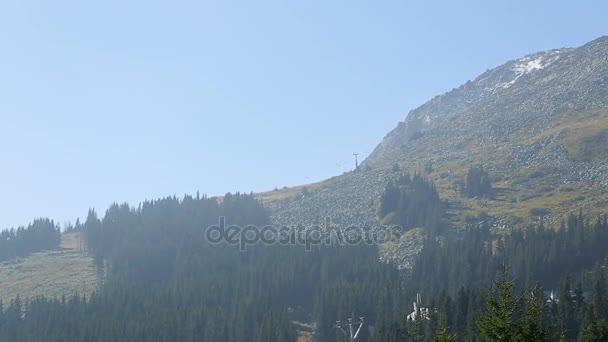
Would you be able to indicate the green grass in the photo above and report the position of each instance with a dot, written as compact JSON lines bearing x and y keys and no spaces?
{"x":584,"y":134}
{"x":289,"y":192}
{"x":50,"y":273}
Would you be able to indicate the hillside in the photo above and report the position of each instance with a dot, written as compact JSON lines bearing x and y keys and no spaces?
{"x":49,"y":273}
{"x":538,"y":124}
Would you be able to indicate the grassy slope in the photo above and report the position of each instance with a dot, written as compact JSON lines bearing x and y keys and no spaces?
{"x":580,"y":133}
{"x":583,"y":134}
{"x":50,"y":273}
{"x":289,"y":192}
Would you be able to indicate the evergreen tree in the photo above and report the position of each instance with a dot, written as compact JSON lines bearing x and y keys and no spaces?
{"x":497,"y":321}
{"x":599,"y":299}
{"x":532,"y":320}
{"x":477,"y":183}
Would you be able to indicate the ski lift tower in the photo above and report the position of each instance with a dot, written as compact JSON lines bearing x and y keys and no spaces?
{"x":354,"y":328}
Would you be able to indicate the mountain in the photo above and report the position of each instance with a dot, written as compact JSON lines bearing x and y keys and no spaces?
{"x":523,"y":96}
{"x":537,"y":124}
{"x":523,"y":140}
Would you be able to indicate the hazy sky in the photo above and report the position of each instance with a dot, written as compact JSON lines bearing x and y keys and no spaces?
{"x":112,"y":101}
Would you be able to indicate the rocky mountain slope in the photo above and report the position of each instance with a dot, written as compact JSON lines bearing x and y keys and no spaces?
{"x":521,"y":97}
{"x":539,"y":124}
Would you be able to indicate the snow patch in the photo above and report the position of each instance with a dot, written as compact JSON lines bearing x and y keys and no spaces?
{"x":529,"y":64}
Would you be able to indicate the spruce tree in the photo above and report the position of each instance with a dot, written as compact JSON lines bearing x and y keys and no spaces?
{"x":497,"y":321}
{"x":532,"y":320}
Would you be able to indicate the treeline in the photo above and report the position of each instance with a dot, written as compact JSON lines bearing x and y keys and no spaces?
{"x":537,"y":254}
{"x":42,"y":234}
{"x":575,"y":312}
{"x":412,"y":202}
{"x":163,"y":281}
{"x":160,"y":279}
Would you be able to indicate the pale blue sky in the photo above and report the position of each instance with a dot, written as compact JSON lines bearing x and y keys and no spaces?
{"x":104,"y":101}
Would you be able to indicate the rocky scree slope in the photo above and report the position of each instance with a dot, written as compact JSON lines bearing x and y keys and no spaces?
{"x":512,"y":103}
{"x":538,"y":123}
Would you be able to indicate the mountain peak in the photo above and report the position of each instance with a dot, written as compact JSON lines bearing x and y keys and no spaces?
{"x":542,"y":83}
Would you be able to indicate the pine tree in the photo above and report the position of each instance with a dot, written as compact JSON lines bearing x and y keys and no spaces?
{"x":599,"y":299}
{"x":532,"y":320}
{"x":497,"y":321}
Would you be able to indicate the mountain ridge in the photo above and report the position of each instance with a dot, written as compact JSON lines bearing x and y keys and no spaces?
{"x":495,"y":82}
{"x":538,"y":124}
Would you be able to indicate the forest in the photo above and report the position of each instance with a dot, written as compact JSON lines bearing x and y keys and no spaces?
{"x":159,"y":279}
{"x":42,"y":234}
{"x":411,"y":202}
